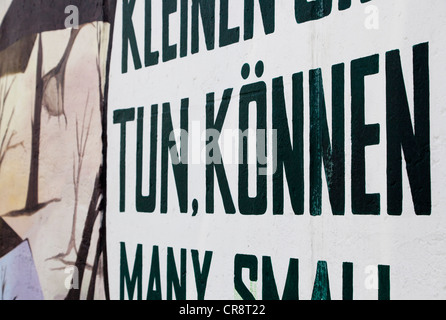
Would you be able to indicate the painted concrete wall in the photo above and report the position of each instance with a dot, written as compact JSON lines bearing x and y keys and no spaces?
{"x":224,"y":149}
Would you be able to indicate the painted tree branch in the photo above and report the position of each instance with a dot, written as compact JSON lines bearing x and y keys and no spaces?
{"x":82,"y":136}
{"x":6,"y":144}
{"x":81,"y":261}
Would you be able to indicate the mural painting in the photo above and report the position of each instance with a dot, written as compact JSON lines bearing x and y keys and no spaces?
{"x":51,"y":186}
{"x":222,"y":149}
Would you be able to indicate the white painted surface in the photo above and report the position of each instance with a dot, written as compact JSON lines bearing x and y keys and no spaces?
{"x":413,"y":246}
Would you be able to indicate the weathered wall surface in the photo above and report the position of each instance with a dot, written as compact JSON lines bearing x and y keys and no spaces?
{"x":218,"y":149}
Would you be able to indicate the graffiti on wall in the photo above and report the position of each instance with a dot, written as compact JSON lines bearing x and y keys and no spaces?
{"x":203,"y":149}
